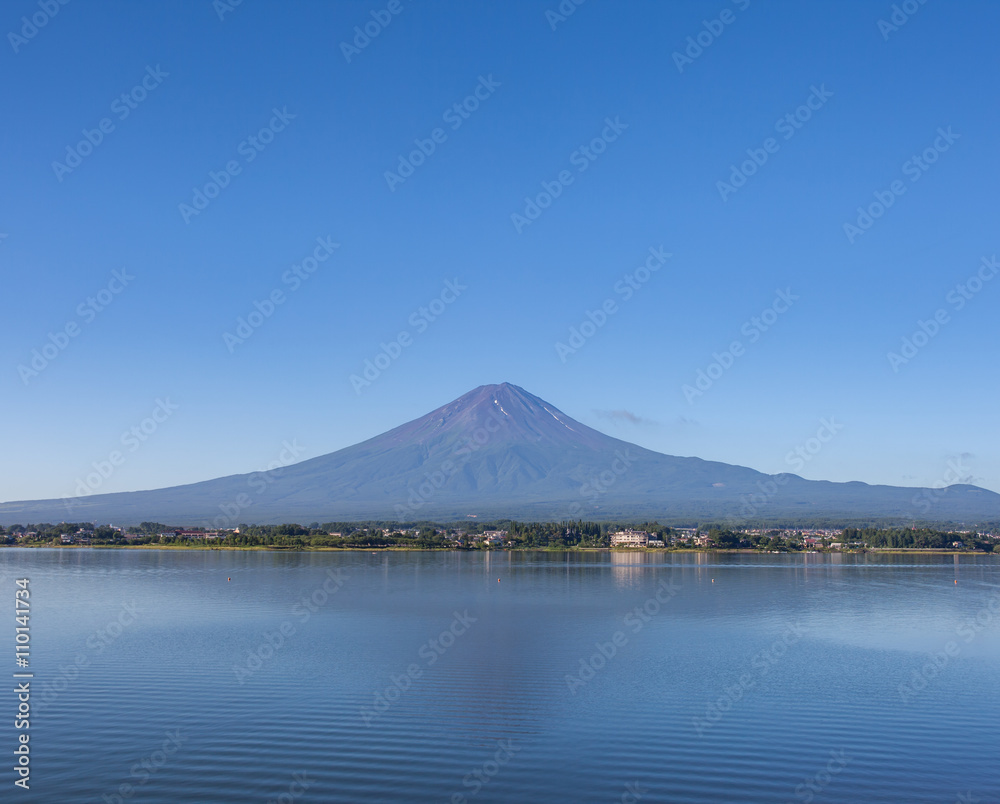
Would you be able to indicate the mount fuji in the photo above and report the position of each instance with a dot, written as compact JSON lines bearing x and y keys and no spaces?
{"x":501,"y":452}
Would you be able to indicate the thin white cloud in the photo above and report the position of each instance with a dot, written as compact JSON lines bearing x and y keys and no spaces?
{"x":624,"y":416}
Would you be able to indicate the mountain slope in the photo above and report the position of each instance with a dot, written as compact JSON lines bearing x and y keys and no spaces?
{"x":499,"y":451}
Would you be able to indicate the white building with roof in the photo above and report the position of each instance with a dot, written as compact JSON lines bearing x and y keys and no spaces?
{"x":630,"y":538}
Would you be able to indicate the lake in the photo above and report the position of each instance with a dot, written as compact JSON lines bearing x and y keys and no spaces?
{"x":216,"y":676}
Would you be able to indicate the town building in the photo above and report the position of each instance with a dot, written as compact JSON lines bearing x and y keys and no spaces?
{"x":630,"y":538}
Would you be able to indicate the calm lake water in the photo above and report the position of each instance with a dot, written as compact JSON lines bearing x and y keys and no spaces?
{"x":413,"y":677}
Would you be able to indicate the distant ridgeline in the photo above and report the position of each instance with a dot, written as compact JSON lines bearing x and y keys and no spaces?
{"x":507,"y":535}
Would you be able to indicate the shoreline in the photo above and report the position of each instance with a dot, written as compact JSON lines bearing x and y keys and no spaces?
{"x":397,"y":549}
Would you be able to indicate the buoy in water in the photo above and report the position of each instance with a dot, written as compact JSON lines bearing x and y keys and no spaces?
{"x":228,"y":579}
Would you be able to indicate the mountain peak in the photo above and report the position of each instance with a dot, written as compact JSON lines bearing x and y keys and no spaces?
{"x":501,"y":451}
{"x":498,"y":395}
{"x":498,"y":389}
{"x":506,"y":411}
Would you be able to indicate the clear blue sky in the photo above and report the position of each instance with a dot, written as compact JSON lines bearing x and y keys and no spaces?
{"x":679,"y":128}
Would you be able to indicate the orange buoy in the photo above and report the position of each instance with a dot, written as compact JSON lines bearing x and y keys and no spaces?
{"x":228,"y":579}
{"x":498,"y":580}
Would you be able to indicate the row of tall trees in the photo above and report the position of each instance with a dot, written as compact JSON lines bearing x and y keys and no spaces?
{"x":538,"y":535}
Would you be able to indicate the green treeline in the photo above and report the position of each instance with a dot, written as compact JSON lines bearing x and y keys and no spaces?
{"x":494,"y":535}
